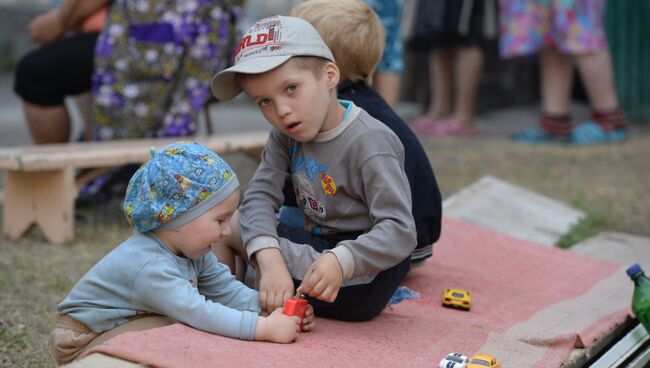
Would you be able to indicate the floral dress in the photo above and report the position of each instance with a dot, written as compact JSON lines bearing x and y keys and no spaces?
{"x":573,"y":27}
{"x":153,"y":65}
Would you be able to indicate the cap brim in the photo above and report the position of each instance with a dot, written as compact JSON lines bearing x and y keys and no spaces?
{"x":224,"y":86}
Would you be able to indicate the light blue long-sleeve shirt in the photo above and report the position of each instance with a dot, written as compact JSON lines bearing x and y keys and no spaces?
{"x":142,"y":276}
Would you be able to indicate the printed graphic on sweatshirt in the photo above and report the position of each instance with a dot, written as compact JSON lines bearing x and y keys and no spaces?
{"x":308,"y":175}
{"x":328,"y":184}
{"x":306,"y":196}
{"x":305,"y":165}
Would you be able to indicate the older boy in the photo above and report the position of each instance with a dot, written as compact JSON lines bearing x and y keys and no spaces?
{"x":354,"y":33}
{"x":347,"y":170}
{"x":179,"y":203}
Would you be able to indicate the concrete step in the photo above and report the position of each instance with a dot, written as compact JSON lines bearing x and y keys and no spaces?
{"x":622,"y":248}
{"x":506,"y":208}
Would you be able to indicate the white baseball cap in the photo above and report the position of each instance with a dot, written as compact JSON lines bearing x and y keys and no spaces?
{"x":269,"y":43}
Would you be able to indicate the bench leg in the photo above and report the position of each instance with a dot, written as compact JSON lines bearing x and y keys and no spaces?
{"x":45,"y":198}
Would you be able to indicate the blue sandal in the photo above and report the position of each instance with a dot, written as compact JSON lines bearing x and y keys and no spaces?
{"x":591,"y":133}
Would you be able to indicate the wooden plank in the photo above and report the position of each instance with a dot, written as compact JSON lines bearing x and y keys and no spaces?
{"x":581,"y":356}
{"x":45,"y":198}
{"x":54,"y":194}
{"x":623,"y":349}
{"x":18,"y":208}
{"x":115,"y":153}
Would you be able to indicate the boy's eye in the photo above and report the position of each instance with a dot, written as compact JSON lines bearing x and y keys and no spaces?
{"x":263,"y":102}
{"x":292,"y":88}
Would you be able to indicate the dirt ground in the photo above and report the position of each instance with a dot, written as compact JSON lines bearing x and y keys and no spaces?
{"x":609,"y":180}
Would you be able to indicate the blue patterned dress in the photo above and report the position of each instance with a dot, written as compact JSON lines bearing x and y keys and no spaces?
{"x":390,"y":13}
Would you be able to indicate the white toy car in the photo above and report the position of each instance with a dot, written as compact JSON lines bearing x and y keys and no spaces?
{"x":454,"y":360}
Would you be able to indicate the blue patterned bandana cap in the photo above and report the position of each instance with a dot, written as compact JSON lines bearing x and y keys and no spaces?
{"x":179,"y":183}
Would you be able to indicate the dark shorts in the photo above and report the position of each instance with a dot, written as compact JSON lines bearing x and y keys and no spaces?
{"x":453,"y":23}
{"x":51,"y":72}
{"x":357,"y":302}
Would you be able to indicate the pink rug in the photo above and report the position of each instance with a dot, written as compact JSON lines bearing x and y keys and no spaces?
{"x":531,"y":305}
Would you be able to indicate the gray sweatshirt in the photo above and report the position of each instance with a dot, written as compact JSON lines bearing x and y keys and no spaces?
{"x":348,"y":179}
{"x":142,"y":276}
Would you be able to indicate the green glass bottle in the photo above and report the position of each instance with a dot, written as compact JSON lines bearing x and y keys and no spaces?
{"x":641,"y":297}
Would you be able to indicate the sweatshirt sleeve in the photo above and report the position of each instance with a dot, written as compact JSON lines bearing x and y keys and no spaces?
{"x":216,"y":283}
{"x":160,"y":288}
{"x":392,"y":235}
{"x":257,"y":214}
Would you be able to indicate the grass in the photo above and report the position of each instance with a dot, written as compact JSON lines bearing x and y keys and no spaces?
{"x":593,"y":223}
{"x":11,"y":341}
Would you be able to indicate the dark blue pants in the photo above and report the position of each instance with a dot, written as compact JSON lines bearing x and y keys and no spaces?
{"x":353,"y":303}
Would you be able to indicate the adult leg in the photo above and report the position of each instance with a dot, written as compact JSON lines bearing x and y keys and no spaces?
{"x":469,"y":63}
{"x":440,"y":83}
{"x":441,"y":65}
{"x":387,"y":84}
{"x":47,"y":124}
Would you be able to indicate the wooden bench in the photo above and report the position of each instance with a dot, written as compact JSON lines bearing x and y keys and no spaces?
{"x":41,"y":181}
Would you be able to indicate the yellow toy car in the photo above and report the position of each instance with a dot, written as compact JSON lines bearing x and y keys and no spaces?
{"x":483,"y":361}
{"x":457,"y":298}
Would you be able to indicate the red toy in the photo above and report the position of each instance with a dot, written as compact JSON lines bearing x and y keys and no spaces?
{"x":296,"y":306}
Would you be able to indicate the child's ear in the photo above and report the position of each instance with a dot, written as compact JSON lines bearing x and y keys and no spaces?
{"x":333,"y":75}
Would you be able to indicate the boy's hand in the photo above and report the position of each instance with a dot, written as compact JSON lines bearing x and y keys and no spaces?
{"x":277,"y":327}
{"x":309,"y":320}
{"x":276,"y":284}
{"x":323,"y":278}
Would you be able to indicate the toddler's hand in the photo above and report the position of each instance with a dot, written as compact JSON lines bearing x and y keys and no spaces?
{"x":276,"y":284}
{"x":277,"y":327}
{"x":323,"y":278}
{"x":309,"y":320}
